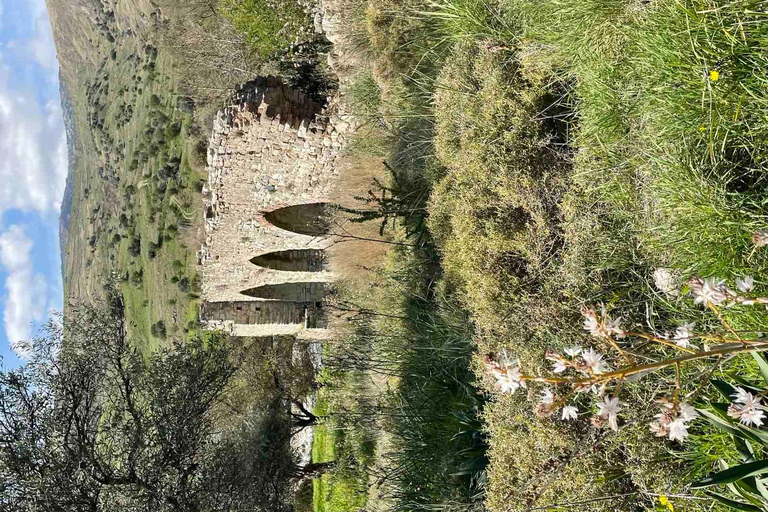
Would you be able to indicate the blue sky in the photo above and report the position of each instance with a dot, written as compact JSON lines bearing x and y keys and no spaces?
{"x":33,"y":168}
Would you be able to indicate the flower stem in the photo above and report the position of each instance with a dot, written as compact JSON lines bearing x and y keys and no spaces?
{"x":651,"y":337}
{"x":718,"y":351}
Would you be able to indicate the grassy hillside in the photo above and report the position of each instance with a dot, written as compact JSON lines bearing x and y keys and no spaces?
{"x":138,"y":167}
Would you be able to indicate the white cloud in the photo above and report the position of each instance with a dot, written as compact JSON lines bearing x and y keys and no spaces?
{"x":42,"y":45}
{"x":33,"y":168}
{"x":26,"y":298}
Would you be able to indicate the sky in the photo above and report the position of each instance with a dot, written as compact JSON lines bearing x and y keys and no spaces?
{"x":33,"y":170}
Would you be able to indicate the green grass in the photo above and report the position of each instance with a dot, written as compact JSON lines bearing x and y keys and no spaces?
{"x":339,"y":491}
{"x":269,"y":27}
{"x":129,"y":133}
{"x":570,"y":148}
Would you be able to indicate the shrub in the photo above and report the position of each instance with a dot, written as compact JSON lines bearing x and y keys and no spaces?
{"x":495,"y":213}
{"x":269,"y":28}
{"x":159,"y":330}
{"x":134,"y":249}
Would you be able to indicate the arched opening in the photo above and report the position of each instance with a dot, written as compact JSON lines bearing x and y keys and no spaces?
{"x":304,"y":219}
{"x":297,"y":260}
{"x":288,"y":292}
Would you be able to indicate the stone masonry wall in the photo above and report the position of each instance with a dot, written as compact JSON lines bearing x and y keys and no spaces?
{"x":273,"y":148}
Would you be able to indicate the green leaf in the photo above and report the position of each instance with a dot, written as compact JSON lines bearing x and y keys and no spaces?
{"x":763,"y":364}
{"x":747,"y":489}
{"x":744,"y":383}
{"x":755,"y":434}
{"x":738,"y":505}
{"x":724,"y":388}
{"x":734,"y":473}
{"x":721,"y":423}
{"x":762,"y":489}
{"x":744,"y":448}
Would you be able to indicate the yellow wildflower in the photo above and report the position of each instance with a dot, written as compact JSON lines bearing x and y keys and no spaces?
{"x":714,"y":75}
{"x":663,"y":500}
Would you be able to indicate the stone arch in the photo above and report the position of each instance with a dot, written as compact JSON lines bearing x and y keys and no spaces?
{"x":296,"y":260}
{"x":289,"y":292}
{"x":304,"y":219}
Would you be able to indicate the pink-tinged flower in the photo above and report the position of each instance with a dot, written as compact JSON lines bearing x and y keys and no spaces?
{"x":659,"y":428}
{"x":508,"y":376}
{"x":671,"y":422}
{"x":601,"y":326}
{"x":746,"y":414}
{"x":683,"y":334}
{"x":760,"y":238}
{"x":678,"y":431}
{"x":573,"y":351}
{"x":709,"y":291}
{"x":609,"y":410}
{"x":569,"y":412}
{"x":747,"y":409}
{"x":594,"y":361}
{"x":591,"y":323}
{"x":560,"y":367}
{"x":746,"y":284}
{"x":547,"y":397}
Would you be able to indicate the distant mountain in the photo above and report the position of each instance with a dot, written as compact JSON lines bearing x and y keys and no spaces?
{"x":66,"y":204}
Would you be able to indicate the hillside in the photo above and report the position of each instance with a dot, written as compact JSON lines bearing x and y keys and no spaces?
{"x":132,"y":179}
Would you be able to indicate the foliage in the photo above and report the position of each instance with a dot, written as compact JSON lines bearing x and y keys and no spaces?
{"x":89,"y":423}
{"x":269,"y":27}
{"x":744,"y":479}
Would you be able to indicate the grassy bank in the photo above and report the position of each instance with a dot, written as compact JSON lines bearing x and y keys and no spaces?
{"x":569,"y":150}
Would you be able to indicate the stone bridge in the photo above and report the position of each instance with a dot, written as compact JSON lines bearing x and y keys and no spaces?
{"x":272,"y":163}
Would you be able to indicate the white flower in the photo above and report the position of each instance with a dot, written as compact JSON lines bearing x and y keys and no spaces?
{"x":569,"y":412}
{"x":508,"y":375}
{"x":510,"y":381}
{"x":560,"y":367}
{"x":602,"y":327}
{"x":591,"y":323}
{"x":594,"y":361}
{"x":609,"y":410}
{"x":747,"y":409}
{"x":672,"y":421}
{"x":746,"y":414}
{"x":547,"y":397}
{"x":666,"y":281}
{"x":573,"y":351}
{"x":684,"y":333}
{"x":742,"y":396}
{"x":709,"y":291}
{"x":688,"y":412}
{"x":746,"y":284}
{"x":677,"y":430}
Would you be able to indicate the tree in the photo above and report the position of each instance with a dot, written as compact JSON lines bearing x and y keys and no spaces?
{"x":135,"y":248}
{"x":91,"y":424}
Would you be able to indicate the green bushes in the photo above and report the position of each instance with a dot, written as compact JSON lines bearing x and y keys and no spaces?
{"x":269,"y":27}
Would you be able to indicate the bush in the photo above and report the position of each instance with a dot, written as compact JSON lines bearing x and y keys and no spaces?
{"x":134,"y":249}
{"x":269,"y":28}
{"x":159,"y":330}
{"x":495,"y":213}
